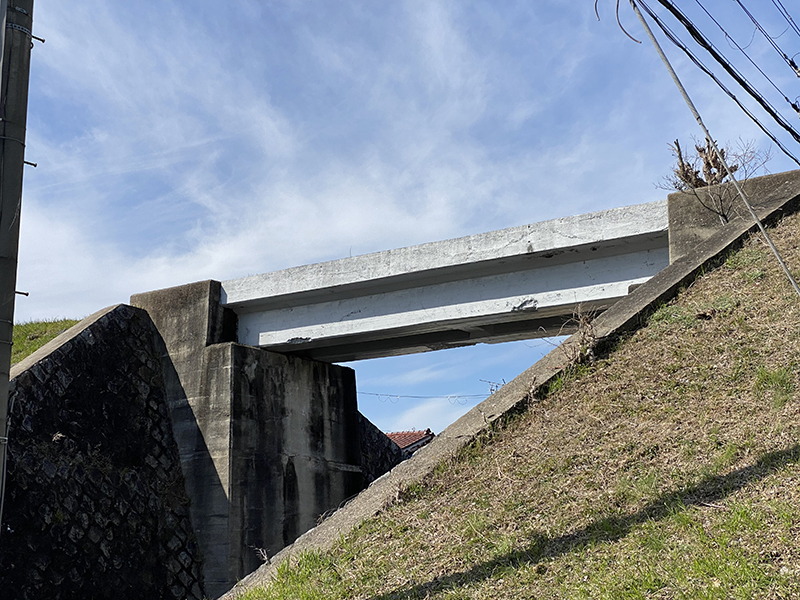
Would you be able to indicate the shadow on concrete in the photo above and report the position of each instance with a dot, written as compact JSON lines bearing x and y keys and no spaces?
{"x":209,"y":504}
{"x":608,"y":529}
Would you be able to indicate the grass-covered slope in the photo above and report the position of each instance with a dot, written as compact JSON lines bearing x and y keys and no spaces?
{"x":30,"y":336}
{"x":667,"y":469}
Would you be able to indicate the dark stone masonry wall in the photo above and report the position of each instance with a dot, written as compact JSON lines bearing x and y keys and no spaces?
{"x":379,"y":454}
{"x":96,"y":506}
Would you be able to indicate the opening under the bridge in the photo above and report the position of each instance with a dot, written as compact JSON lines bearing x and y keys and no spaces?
{"x":433,"y":389}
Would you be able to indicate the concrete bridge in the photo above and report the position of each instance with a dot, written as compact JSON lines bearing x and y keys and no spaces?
{"x":235,"y":381}
{"x":518,"y":283}
{"x":268,"y":429}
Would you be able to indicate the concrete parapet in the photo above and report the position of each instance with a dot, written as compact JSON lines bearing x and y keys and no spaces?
{"x":697,"y":215}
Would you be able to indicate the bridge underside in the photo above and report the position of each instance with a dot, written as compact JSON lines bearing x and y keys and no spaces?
{"x":468,"y":333}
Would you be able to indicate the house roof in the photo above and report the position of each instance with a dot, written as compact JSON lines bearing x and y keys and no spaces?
{"x":404,"y":439}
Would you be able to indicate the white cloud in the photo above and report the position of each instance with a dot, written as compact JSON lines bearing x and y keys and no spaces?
{"x":434,"y":414}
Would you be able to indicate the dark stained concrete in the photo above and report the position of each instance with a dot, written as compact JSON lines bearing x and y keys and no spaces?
{"x":268,"y":442}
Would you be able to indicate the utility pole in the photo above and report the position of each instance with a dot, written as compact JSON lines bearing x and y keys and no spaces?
{"x":17,"y":17}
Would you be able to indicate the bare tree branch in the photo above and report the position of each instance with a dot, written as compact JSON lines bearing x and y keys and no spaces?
{"x":686,"y":176}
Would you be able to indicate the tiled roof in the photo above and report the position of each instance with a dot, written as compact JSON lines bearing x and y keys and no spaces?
{"x":404,"y":439}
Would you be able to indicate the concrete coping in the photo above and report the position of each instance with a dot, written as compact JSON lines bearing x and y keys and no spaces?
{"x":61,"y":339}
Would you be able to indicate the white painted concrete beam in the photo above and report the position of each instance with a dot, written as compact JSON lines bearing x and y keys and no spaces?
{"x":514,"y":283}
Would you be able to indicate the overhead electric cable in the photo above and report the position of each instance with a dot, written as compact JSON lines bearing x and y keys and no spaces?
{"x":770,"y":39}
{"x":747,"y":56}
{"x":676,"y":40}
{"x":731,"y":70}
{"x":782,"y":9}
{"x":713,"y":144}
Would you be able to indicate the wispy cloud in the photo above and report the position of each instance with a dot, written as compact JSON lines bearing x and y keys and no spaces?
{"x":183,"y":141}
{"x":434,"y":414}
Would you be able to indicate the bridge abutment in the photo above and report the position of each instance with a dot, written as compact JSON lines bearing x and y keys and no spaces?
{"x":268,"y":442}
{"x":696,"y":215}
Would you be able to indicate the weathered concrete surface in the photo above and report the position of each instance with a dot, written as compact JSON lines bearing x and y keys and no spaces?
{"x":296,"y":449}
{"x":781,"y":197}
{"x":95,"y":501}
{"x":268,"y":442}
{"x":189,"y":319}
{"x":499,"y":286}
{"x":693,"y":216}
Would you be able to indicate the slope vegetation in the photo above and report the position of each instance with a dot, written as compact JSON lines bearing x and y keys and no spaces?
{"x":30,"y":336}
{"x":667,"y":468}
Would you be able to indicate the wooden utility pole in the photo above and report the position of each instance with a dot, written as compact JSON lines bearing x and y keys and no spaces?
{"x":16,"y":62}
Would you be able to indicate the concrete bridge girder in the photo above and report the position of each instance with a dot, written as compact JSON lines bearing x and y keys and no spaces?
{"x":515,"y":283}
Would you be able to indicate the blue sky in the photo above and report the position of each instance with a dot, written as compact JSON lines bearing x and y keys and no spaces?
{"x":179,"y":141}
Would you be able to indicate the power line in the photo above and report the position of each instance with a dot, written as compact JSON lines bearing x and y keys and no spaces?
{"x":747,"y":56}
{"x":423,"y":397}
{"x":731,"y":70}
{"x":676,"y":40}
{"x":710,"y":141}
{"x":782,"y":9}
{"x":769,"y":38}
{"x":461,"y":399}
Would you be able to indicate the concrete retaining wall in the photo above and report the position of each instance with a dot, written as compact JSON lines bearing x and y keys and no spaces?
{"x":96,"y":506}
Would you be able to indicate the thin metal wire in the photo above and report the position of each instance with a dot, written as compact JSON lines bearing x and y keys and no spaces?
{"x":4,"y":460}
{"x":786,"y":15}
{"x":725,"y":64}
{"x":424,"y":397}
{"x":597,"y":14}
{"x":768,"y":37}
{"x":795,"y":106}
{"x":713,"y":144}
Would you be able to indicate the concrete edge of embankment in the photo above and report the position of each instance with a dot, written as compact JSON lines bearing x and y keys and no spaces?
{"x":626,"y":315}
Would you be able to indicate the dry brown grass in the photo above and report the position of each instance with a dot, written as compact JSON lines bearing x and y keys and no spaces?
{"x":667,"y":469}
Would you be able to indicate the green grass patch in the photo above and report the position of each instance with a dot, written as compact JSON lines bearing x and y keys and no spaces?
{"x":30,"y":336}
{"x":671,"y":315}
{"x":778,"y":384}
